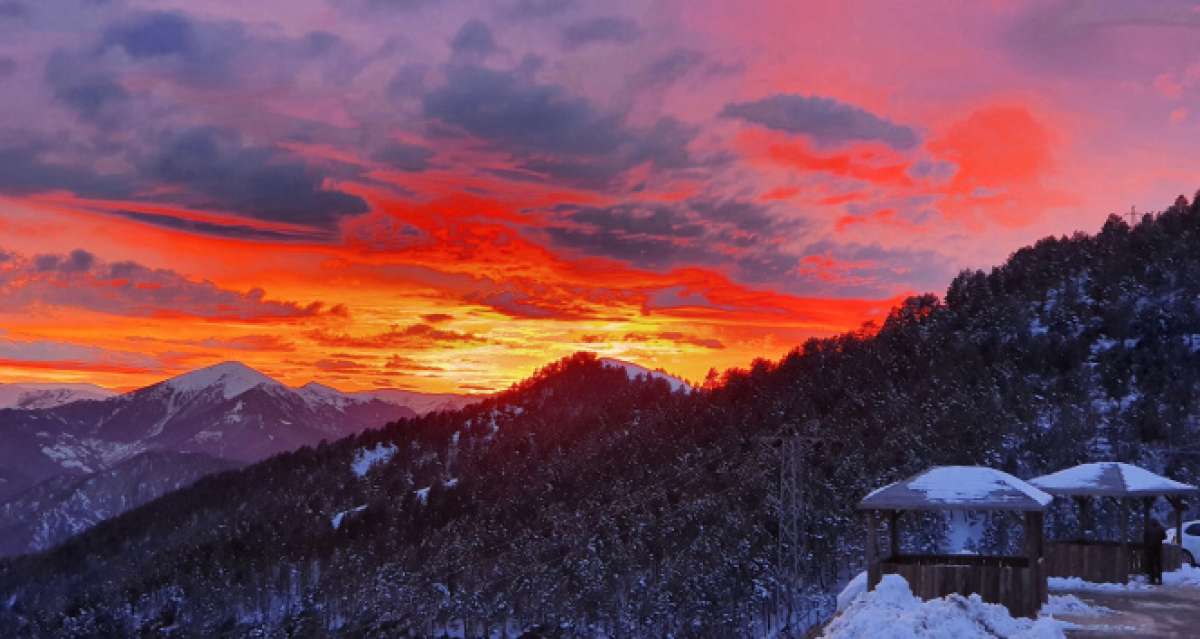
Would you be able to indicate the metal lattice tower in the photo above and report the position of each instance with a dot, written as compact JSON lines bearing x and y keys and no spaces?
{"x":791,"y":500}
{"x":793,"y":468}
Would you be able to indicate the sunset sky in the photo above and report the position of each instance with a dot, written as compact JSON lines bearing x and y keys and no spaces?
{"x":444,"y":196}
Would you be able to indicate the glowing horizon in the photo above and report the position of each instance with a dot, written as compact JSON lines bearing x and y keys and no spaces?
{"x":402,"y":194}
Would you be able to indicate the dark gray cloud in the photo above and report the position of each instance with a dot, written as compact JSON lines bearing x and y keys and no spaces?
{"x":190,"y":51}
{"x":520,"y":114}
{"x":13,"y":10}
{"x":215,"y":229}
{"x":404,"y":157}
{"x":80,"y":280}
{"x":218,"y":170}
{"x":153,"y":35}
{"x":371,"y":8}
{"x":26,"y":168}
{"x":93,"y":93}
{"x":668,"y":68}
{"x":872,"y":270}
{"x":550,"y":132}
{"x":825,"y":120}
{"x":76,"y":261}
{"x":612,"y":29}
{"x":474,"y":39}
{"x":1091,"y":37}
{"x":531,"y":9}
{"x":722,"y":233}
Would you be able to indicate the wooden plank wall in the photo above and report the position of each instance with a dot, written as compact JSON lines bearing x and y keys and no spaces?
{"x":1103,"y":562}
{"x":1020,"y":589}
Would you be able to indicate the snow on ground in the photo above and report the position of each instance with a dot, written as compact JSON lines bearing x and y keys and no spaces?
{"x":633,"y":371}
{"x":366,"y":458}
{"x":1072,"y":605}
{"x":1078,"y":584}
{"x":1186,"y":576}
{"x":892,"y":612}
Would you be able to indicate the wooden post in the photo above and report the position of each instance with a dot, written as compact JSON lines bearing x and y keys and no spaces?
{"x":1177,"y":505}
{"x":873,"y":574}
{"x":1147,"y":505}
{"x":1085,"y":516}
{"x":894,"y":532}
{"x":1124,"y":540}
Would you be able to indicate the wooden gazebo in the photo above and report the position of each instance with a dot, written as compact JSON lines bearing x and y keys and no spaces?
{"x":1110,"y":560}
{"x":1017,"y":582}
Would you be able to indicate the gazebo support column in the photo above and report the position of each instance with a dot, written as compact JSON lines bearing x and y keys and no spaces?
{"x":1124,"y":525}
{"x":1034,"y":550}
{"x":1147,"y":506}
{"x":871,"y":518}
{"x":894,"y":533}
{"x":1177,"y":506}
{"x":1085,"y":516}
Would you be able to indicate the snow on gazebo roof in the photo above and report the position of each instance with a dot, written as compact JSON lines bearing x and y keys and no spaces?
{"x":1110,"y":479}
{"x":957,"y":488}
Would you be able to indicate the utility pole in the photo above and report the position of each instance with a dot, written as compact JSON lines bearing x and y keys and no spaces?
{"x":793,"y":468}
{"x":791,"y":500}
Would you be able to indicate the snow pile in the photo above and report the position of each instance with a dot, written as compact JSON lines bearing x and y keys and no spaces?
{"x":892,"y":612}
{"x":1072,"y":605}
{"x":366,"y":458}
{"x":1076,"y":583}
{"x":856,"y":587}
{"x":1186,"y":576}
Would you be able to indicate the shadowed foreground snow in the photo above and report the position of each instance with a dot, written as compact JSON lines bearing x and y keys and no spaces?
{"x":892,"y":612}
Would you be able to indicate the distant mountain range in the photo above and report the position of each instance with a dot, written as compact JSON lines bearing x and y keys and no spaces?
{"x":33,"y":395}
{"x":70,"y":444}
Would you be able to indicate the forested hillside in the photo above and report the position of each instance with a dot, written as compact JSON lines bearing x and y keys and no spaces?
{"x":580,"y":502}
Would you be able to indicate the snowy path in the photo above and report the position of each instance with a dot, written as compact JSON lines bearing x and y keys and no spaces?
{"x":1164,"y":611}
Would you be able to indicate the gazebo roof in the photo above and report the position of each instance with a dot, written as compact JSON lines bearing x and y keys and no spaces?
{"x":958,"y":488}
{"x":1110,"y":479}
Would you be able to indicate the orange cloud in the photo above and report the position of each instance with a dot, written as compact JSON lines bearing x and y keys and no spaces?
{"x":871,"y":163}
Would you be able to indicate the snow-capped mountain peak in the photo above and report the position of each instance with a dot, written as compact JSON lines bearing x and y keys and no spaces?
{"x":34,"y":395}
{"x":315,"y":394}
{"x":232,"y":378}
{"x":634,"y":371}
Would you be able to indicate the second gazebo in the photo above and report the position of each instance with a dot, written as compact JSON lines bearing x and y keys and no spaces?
{"x":1109,"y":560}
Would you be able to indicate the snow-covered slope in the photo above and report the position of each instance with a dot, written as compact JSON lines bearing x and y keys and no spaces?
{"x":34,"y":395}
{"x":635,"y":371}
{"x":52,"y":511}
